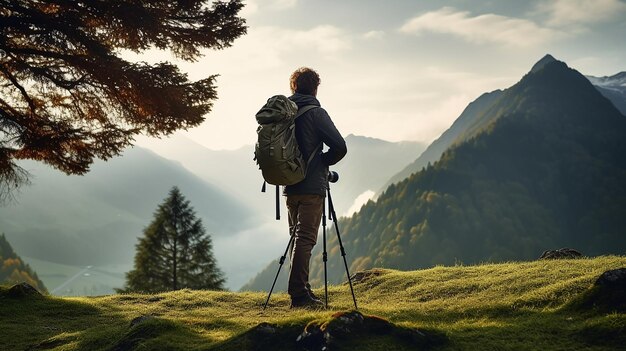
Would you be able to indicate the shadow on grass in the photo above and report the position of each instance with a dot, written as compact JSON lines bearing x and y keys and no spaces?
{"x":559,"y":330}
{"x":43,"y":323}
{"x":35,"y":320}
{"x":515,"y":328}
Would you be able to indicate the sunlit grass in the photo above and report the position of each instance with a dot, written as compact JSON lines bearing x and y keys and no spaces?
{"x":508,"y":306}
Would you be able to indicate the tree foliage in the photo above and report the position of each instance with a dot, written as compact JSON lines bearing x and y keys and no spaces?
{"x":175,"y":252}
{"x":67,"y":95}
{"x":13,"y":270}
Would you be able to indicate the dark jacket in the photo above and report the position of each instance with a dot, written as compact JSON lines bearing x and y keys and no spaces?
{"x":313,"y":128}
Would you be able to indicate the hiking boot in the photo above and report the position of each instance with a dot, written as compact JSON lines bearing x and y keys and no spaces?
{"x":306,"y":301}
{"x":313,"y":296}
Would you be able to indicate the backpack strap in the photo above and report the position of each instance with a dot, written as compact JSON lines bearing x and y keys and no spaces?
{"x":308,"y":162}
{"x":304,"y":110}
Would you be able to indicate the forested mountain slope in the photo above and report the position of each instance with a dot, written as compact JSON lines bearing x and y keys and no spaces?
{"x":548,"y":172}
{"x":477,"y":114}
{"x":13,"y":270}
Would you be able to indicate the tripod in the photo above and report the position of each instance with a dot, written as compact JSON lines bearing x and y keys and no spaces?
{"x":333,"y":217}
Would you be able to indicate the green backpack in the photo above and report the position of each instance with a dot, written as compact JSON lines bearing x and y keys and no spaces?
{"x":276,"y":151}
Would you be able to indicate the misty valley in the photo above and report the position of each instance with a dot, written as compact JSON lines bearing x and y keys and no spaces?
{"x":522,"y":170}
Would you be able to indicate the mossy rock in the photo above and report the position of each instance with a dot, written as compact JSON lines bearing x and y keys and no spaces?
{"x":364,"y":276}
{"x":608,"y":293}
{"x":560,"y":254}
{"x":22,"y":291}
{"x":354,"y":331}
{"x":342,"y":331}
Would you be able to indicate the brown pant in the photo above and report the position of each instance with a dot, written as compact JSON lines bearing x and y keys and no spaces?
{"x":305,"y":213}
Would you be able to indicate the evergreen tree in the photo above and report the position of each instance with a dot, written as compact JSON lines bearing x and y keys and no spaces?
{"x":175,"y":252}
{"x":67,"y":94}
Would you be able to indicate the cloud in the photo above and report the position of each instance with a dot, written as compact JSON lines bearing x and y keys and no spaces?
{"x":283,"y":4}
{"x":359,"y":202}
{"x":326,"y":39}
{"x":374,"y":34}
{"x":487,"y":28}
{"x":567,"y":12}
{"x":270,"y":47}
{"x":252,"y":6}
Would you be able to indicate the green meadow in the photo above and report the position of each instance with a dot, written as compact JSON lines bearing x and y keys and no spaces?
{"x":507,"y":306}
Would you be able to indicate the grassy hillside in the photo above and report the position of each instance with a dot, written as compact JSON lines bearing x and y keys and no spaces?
{"x":509,"y":306}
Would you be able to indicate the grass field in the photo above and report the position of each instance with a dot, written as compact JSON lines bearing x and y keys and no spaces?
{"x":509,"y":306}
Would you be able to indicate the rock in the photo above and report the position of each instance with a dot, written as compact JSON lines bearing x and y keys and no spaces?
{"x":613,"y":279}
{"x":264,"y":328}
{"x":345,"y":323}
{"x":345,"y":328}
{"x":312,"y":338}
{"x":608,"y":293}
{"x":23,"y":290}
{"x":140,"y":319}
{"x":348,"y":330}
{"x":564,"y":253}
{"x":363,"y":276}
{"x":319,"y":336}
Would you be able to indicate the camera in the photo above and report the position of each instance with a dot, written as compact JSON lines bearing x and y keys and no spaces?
{"x":333,"y":176}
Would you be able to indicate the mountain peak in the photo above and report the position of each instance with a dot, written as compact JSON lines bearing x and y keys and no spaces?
{"x":541,"y":63}
{"x":616,"y":81}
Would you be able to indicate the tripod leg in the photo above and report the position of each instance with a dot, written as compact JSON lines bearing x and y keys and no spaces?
{"x":282,"y":260}
{"x":325,"y":254}
{"x":343,"y":251}
{"x":278,"y":203}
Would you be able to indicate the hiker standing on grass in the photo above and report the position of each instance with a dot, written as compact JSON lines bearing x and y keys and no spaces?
{"x":305,"y":200}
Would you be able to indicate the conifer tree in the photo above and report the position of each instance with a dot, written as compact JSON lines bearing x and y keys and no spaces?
{"x":175,"y":252}
{"x":69,"y":95}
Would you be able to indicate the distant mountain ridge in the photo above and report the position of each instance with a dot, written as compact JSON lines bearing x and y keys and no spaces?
{"x":369,"y":164}
{"x":460,"y":129}
{"x":613,"y":88}
{"x":546,"y":169}
{"x":476,"y":116}
{"x":96,"y":218}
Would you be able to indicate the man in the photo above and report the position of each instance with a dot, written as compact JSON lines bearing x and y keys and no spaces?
{"x":305,"y":200}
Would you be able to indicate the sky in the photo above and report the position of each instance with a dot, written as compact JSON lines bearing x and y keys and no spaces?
{"x":397,"y":69}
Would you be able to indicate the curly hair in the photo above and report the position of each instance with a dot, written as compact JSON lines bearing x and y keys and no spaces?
{"x":304,"y":81}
